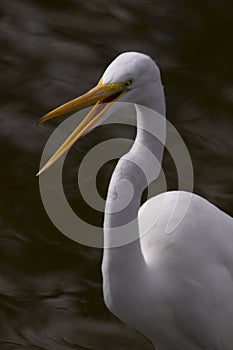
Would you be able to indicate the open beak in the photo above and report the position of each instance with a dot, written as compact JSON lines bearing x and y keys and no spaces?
{"x":103,"y":95}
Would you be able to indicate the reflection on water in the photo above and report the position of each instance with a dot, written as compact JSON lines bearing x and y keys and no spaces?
{"x":50,"y":290}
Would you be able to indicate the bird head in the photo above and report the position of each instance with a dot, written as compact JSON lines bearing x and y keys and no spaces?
{"x":124,"y":80}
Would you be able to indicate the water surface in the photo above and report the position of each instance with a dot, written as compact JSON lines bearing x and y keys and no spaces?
{"x":50,"y":286}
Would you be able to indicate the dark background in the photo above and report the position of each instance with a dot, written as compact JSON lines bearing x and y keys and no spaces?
{"x":51,"y":51}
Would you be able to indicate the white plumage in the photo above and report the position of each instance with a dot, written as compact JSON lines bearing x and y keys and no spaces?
{"x":177,"y":288}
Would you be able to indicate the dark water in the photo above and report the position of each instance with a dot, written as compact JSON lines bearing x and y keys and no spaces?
{"x":50,"y":286}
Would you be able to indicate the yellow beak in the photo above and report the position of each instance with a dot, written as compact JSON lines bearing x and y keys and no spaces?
{"x":103,"y":95}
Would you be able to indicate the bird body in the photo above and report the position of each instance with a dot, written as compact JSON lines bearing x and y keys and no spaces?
{"x":175,"y":286}
{"x":181,"y":295}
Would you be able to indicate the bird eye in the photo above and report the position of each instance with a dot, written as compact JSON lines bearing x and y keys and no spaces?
{"x":128,"y":82}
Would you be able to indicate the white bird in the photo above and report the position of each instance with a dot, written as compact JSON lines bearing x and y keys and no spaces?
{"x":176,"y":289}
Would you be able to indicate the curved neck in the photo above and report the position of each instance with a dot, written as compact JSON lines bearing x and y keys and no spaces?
{"x":133,"y":173}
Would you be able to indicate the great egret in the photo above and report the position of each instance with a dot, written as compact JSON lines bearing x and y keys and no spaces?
{"x":176,"y":289}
